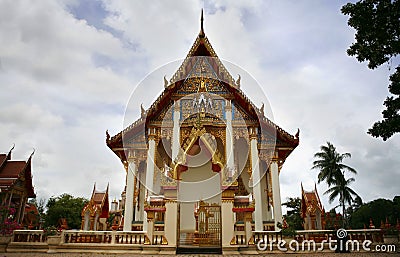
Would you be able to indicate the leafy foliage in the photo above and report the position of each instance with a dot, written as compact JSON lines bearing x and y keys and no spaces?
{"x":330,"y":164}
{"x":342,"y":190}
{"x":65,"y":206}
{"x":293,"y":217}
{"x":377,"y":210}
{"x":377,"y":25}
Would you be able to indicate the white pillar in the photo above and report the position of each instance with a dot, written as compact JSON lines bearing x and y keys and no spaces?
{"x":247,"y":229}
{"x":170,"y":224}
{"x":256,"y":181}
{"x":229,"y":138}
{"x":128,"y":214}
{"x":142,"y":199}
{"x":149,"y":171}
{"x":150,"y":165}
{"x":176,"y":131}
{"x":228,"y":222}
{"x":276,"y":193}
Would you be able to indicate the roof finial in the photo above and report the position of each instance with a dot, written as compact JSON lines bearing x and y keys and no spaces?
{"x":201,"y":24}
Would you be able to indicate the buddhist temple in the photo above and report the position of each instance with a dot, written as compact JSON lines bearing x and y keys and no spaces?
{"x":202,"y":163}
{"x":16,"y":184}
{"x":312,"y":211}
{"x":96,"y":211}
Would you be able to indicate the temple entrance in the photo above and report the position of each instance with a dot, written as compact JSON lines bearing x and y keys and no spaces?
{"x":207,"y":236}
{"x":199,"y":218}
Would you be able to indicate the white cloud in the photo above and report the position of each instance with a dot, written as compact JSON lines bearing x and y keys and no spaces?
{"x":64,"y":82}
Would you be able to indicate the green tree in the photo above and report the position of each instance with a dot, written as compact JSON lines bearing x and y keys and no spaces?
{"x":355,"y":205}
{"x":65,"y":206}
{"x":377,"y":25}
{"x":377,"y":210}
{"x":332,"y":169}
{"x":292,"y":216}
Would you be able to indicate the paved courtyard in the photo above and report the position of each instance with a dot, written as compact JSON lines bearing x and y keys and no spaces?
{"x":371,"y":254}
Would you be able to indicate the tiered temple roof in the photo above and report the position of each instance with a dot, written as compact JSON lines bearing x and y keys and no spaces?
{"x":203,"y":48}
{"x":16,"y":174}
{"x":98,"y":203}
{"x":310,"y":202}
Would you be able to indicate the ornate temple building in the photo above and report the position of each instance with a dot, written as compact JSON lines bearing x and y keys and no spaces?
{"x":96,"y":211}
{"x":16,"y":185}
{"x":202,"y":162}
{"x":312,"y":211}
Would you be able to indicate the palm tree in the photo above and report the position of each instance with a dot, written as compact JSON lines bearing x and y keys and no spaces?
{"x":330,"y":164}
{"x":332,"y":169}
{"x":341,"y":188}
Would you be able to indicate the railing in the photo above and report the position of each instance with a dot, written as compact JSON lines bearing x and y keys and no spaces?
{"x":239,"y":236}
{"x":266,"y":237}
{"x":374,"y":235}
{"x":29,"y":236}
{"x":105,"y":237}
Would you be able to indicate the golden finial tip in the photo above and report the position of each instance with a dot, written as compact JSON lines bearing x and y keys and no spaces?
{"x":201,"y":24}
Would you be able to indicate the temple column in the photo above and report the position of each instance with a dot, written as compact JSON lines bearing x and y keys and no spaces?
{"x":247,"y":226}
{"x":256,"y":180}
{"x":25,"y":199}
{"x":228,"y":220}
{"x":176,"y":131}
{"x":9,"y":201}
{"x":149,"y":171}
{"x":276,"y":192}
{"x":130,"y":175}
{"x":20,"y":210}
{"x":170,"y":221}
{"x":230,"y":164}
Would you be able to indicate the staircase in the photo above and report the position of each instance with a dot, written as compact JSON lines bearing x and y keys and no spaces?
{"x":187,"y":246}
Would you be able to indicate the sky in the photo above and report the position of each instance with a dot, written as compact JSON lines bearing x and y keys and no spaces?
{"x":68,"y":68}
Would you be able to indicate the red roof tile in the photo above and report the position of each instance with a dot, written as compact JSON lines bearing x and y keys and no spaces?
{"x":12,"y":169}
{"x":98,"y":197}
{"x":3,"y":157}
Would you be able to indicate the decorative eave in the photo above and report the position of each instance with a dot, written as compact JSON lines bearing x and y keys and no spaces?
{"x":28,"y":177}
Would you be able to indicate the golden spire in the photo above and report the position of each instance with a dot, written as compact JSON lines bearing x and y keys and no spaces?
{"x":201,"y":25}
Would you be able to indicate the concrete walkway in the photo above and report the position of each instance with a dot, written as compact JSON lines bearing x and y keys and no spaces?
{"x":370,"y":254}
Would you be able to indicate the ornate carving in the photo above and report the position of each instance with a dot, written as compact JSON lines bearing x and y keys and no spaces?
{"x":240,"y":132}
{"x":265,"y":155}
{"x":202,"y":103}
{"x":165,"y":82}
{"x":253,"y":133}
{"x":239,"y":113}
{"x":217,"y":156}
{"x":166,"y":132}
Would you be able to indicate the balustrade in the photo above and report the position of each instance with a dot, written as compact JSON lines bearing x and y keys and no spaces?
{"x":29,"y":236}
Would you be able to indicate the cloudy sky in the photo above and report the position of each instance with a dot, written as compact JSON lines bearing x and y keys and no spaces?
{"x":67,"y":69}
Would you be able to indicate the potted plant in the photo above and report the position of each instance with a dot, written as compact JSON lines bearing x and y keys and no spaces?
{"x":53,"y":236}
